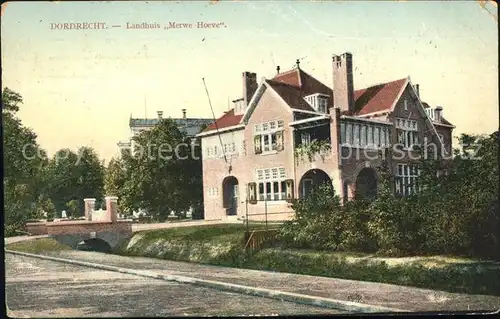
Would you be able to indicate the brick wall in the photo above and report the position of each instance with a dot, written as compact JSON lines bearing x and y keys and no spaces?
{"x":75,"y":227}
{"x":36,"y":228}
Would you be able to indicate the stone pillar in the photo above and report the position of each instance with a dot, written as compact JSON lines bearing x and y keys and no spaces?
{"x":112,"y":208}
{"x":89,"y":207}
{"x":336,"y":150}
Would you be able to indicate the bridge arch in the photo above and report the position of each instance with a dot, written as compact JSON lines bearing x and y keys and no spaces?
{"x":94,"y":244}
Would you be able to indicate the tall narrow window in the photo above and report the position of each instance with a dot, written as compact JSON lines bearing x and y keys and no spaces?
{"x":265,"y":142}
{"x":382,"y":137}
{"x":348,"y":134}
{"x":258,"y":144}
{"x":262,"y":193}
{"x":342,"y":133}
{"x":363,"y":135}
{"x":370,"y":135}
{"x":376,"y":137}
{"x":283,"y":190}
{"x":356,"y":135}
{"x":406,"y":179}
{"x":276,"y":190}
{"x":305,"y":138}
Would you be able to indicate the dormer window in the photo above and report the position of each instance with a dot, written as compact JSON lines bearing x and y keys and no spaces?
{"x":319,"y":102}
{"x":322,"y":104}
{"x":239,"y":106}
{"x":430,"y":113}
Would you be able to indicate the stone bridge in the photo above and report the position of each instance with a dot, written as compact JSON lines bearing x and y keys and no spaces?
{"x":104,"y":232}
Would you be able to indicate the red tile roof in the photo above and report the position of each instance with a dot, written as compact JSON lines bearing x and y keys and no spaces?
{"x":377,"y":98}
{"x":292,"y":95}
{"x":291,"y":77}
{"x":228,"y":119}
{"x":296,"y":84}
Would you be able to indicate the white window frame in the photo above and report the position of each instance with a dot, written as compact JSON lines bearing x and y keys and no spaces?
{"x":369,"y":135}
{"x":267,"y":132}
{"x":408,"y":134}
{"x":430,"y":113}
{"x":276,"y":177}
{"x":406,"y":177}
{"x":322,"y":104}
{"x":305,"y":138}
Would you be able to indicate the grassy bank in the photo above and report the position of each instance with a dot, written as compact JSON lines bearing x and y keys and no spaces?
{"x":37,"y":245}
{"x":222,"y":245}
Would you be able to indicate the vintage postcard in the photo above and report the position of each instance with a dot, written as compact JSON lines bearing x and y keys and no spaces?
{"x":250,"y":158}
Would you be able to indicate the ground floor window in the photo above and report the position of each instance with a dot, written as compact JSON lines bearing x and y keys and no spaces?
{"x":406,"y":179}
{"x":271,"y":184}
{"x":275,"y":190}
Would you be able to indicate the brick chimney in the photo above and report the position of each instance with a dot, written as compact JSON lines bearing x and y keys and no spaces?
{"x":112,"y":208}
{"x":343,"y":82}
{"x":249,"y":86}
{"x":89,"y":207}
{"x":438,"y":113}
{"x":184,"y":113}
{"x":417,"y":88}
{"x":160,"y":114}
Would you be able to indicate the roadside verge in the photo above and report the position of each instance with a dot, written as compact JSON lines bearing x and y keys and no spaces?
{"x":248,"y":290}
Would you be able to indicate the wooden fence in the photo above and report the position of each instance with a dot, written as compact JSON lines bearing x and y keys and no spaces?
{"x":256,"y":238}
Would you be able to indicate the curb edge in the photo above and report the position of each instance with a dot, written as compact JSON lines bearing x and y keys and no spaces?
{"x":247,"y":290}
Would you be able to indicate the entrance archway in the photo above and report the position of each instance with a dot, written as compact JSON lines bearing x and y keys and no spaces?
{"x":230,"y":195}
{"x":311,"y":180}
{"x":366,"y":184}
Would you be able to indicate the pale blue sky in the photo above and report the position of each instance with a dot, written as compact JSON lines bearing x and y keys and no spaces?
{"x":80,"y":86}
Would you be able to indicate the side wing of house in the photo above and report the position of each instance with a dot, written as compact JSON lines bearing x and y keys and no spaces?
{"x":269,"y":162}
{"x":413,"y":130}
{"x":221,"y":153}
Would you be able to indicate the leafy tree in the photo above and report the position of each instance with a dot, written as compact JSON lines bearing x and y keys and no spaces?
{"x":75,"y":176}
{"x":90,"y":172}
{"x":163,"y":174}
{"x":456,"y":210}
{"x":73,"y":207}
{"x":23,"y":160}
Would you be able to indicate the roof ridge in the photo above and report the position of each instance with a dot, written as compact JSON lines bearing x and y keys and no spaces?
{"x":285,"y":73}
{"x":381,"y":83}
{"x":282,"y":83}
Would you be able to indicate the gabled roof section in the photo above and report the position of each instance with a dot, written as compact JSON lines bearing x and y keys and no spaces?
{"x":378,"y":98}
{"x":291,"y":77}
{"x":294,"y":85}
{"x":292,"y":95}
{"x":227,"y":120}
{"x":300,"y":79}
